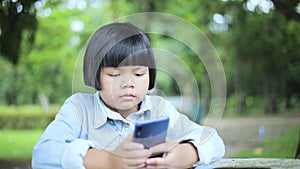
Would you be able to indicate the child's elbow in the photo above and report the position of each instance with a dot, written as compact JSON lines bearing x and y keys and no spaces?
{"x":43,"y":156}
{"x":219,"y":147}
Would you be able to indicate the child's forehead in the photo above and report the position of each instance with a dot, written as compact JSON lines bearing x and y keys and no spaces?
{"x":125,"y":68}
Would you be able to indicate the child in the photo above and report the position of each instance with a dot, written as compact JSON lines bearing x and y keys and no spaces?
{"x":95,"y":130}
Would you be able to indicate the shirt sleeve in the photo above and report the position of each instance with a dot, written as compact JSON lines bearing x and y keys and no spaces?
{"x":74,"y":153}
{"x":63,"y":144}
{"x":209,"y":144}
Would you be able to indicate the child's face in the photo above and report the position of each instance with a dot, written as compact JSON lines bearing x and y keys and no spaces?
{"x":124,"y":87}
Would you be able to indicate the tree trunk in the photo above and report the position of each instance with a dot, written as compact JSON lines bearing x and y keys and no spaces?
{"x":240,"y":106}
{"x":288,"y":95}
{"x":12,"y":93}
{"x":270,"y":95}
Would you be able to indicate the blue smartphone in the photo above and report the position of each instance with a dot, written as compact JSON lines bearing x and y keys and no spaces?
{"x":151,"y":133}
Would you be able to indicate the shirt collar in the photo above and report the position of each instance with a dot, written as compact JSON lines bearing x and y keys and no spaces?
{"x":145,"y":105}
{"x":102,"y":112}
{"x":100,"y":118}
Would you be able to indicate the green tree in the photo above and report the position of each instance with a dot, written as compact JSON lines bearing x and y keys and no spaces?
{"x":261,"y":53}
{"x":18,"y":23}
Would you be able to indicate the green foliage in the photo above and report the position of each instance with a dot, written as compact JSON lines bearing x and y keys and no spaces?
{"x":18,"y":144}
{"x":257,"y":48}
{"x":18,"y":23}
{"x":185,"y":57}
{"x":26,"y":117}
{"x":6,"y":81}
{"x":25,"y":121}
{"x":253,"y":106}
{"x":261,"y":56}
{"x":283,"y":146}
{"x":46,"y":69}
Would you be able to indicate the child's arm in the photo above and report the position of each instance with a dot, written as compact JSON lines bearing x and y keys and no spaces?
{"x":177,"y":155}
{"x":207,"y":142}
{"x":62,"y":145}
{"x":127,"y":155}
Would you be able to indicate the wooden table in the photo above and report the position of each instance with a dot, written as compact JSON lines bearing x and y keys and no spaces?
{"x":254,"y":163}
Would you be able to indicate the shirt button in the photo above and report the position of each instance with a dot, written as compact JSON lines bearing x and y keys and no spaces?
{"x":126,"y":125}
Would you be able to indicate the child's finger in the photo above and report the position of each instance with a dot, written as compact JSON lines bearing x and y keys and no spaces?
{"x":164,"y":147}
{"x":136,"y":163}
{"x":160,"y":148}
{"x":145,"y":153}
{"x":130,"y":135}
{"x":157,"y":163}
{"x":170,"y":142}
{"x":133,"y":154}
{"x":132,"y":146}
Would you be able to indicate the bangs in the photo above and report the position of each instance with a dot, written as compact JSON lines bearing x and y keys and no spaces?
{"x":132,"y":51}
{"x":114,"y":45}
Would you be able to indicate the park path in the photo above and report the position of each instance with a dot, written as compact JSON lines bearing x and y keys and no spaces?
{"x":242,"y":133}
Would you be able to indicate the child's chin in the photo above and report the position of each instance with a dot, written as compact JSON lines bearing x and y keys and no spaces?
{"x":127,"y":108}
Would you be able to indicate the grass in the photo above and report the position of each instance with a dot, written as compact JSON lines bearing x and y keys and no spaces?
{"x":18,"y":144}
{"x":283,"y":146}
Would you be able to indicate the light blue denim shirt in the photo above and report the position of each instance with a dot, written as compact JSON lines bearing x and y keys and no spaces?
{"x":84,"y":122}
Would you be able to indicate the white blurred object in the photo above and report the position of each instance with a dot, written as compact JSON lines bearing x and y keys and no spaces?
{"x":44,"y":102}
{"x":261,"y":133}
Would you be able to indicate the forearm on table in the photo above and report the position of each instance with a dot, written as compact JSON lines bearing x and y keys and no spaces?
{"x":190,"y":153}
{"x":96,"y":159}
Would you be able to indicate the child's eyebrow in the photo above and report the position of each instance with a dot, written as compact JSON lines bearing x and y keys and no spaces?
{"x":123,"y":68}
{"x":141,"y":68}
{"x":109,"y":69}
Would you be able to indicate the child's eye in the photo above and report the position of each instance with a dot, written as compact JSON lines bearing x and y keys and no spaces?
{"x":139,"y":74}
{"x":113,"y":75}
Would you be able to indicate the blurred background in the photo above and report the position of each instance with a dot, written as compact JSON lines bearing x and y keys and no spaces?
{"x":257,"y":41}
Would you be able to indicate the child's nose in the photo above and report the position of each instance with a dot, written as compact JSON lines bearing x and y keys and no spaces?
{"x":128,"y":82}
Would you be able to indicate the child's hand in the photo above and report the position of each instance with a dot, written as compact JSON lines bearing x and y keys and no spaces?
{"x":176,"y":156}
{"x":129,"y":155}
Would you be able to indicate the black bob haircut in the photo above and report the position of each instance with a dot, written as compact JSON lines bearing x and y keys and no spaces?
{"x":117,"y":44}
